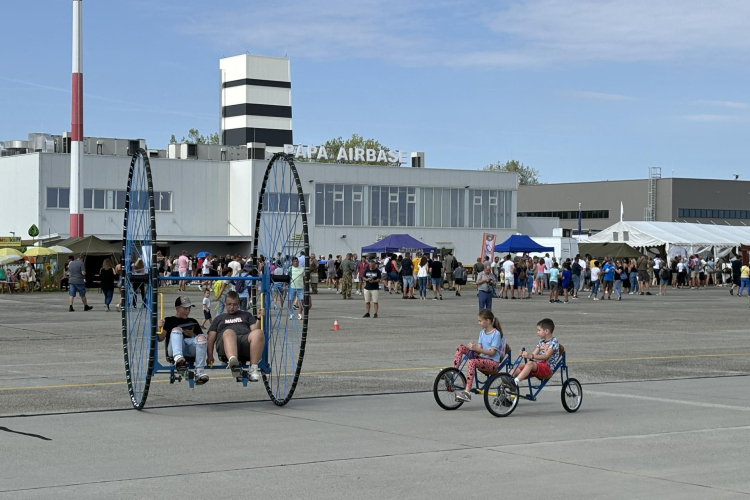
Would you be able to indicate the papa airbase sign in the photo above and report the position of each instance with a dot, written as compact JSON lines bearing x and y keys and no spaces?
{"x":320,"y":153}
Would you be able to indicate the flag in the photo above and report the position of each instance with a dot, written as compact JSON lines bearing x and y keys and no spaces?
{"x":622,"y":212}
{"x":579,"y":221}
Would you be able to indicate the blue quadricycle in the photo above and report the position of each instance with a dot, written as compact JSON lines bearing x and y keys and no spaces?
{"x":451,"y":381}
{"x":501,"y":394}
{"x":280,"y":232}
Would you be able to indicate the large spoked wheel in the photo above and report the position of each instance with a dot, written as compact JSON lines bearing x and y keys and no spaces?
{"x":448,"y":383}
{"x":138,"y":292}
{"x":501,"y":395}
{"x":571,"y":395}
{"x":280,"y":234}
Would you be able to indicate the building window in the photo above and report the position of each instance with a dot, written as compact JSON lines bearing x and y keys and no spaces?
{"x":58,"y":197}
{"x":570,"y":214}
{"x":699,"y":213}
{"x":339,"y":205}
{"x":393,"y":206}
{"x":162,"y":201}
{"x":443,"y":207}
{"x":284,"y":202}
{"x":491,"y":209}
{"x":114,"y":199}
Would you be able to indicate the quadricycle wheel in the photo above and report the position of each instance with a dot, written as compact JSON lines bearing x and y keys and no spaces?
{"x":571,"y":395}
{"x":448,"y":383}
{"x":501,"y":395}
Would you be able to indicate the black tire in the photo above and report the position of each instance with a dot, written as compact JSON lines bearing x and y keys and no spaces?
{"x":138,"y":292}
{"x":448,"y":383}
{"x":571,"y":395}
{"x":501,"y":395}
{"x":281,"y":231}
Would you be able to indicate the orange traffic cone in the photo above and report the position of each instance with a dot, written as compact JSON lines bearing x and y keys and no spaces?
{"x":335,"y":325}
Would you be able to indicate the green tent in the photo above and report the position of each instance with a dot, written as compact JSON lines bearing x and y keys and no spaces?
{"x":95,"y":251}
{"x":614,"y":250}
{"x":93,"y":246}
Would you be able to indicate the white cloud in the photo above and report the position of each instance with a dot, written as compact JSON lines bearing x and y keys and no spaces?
{"x":725,"y":104}
{"x":712,"y":118}
{"x":597,"y":96}
{"x":463,"y":33}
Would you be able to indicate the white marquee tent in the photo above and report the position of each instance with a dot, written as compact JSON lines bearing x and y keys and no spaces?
{"x":679,"y":238}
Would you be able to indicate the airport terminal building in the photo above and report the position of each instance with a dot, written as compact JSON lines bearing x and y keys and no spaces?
{"x":211,"y":204}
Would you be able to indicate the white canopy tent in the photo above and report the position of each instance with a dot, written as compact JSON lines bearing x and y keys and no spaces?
{"x":679,"y":238}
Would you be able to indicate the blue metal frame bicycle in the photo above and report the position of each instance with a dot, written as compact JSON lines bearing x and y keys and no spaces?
{"x":502,"y":394}
{"x":280,"y":232}
{"x":451,"y":381}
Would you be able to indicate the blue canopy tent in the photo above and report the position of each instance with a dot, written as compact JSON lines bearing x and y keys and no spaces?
{"x":521,"y":243}
{"x":398,"y":243}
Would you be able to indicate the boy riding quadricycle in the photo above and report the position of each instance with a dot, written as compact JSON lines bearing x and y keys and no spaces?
{"x":501,"y":388}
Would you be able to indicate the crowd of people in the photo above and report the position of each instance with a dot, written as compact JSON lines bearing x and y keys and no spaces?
{"x":421,"y":276}
{"x":524,"y":277}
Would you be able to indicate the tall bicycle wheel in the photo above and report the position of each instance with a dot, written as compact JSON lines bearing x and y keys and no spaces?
{"x":280,"y":234}
{"x":138,"y":291}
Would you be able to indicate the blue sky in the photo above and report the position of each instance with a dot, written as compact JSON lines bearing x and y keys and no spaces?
{"x":578,"y":89}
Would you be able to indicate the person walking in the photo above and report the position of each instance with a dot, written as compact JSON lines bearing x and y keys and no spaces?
{"x":744,"y":280}
{"x":372,"y":284}
{"x":77,"y":283}
{"x":407,"y":276}
{"x":347,"y":268}
{"x":478,"y":268}
{"x":423,"y":275}
{"x":485,"y":282}
{"x":736,"y":274}
{"x":107,"y":279}
{"x":459,"y":275}
{"x":313,"y":274}
{"x":362,"y":266}
{"x":436,"y":275}
{"x":642,"y":266}
{"x":182,"y":266}
{"x":330,"y":272}
{"x":30,"y":277}
{"x":449,"y":262}
{"x":633,"y":276}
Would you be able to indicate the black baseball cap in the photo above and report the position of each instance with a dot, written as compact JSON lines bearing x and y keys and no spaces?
{"x":182,"y":301}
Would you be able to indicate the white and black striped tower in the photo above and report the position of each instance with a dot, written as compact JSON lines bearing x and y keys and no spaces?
{"x":76,"y":123}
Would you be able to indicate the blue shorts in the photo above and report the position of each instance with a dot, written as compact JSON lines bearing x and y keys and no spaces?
{"x":437,"y":281}
{"x":73,"y":288}
{"x":207,"y":315}
{"x":392,"y":276}
{"x":299,"y":293}
{"x":408,"y":281}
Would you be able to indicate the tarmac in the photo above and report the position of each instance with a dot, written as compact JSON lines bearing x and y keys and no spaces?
{"x":666,"y":407}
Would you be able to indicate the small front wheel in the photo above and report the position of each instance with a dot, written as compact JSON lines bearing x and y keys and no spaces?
{"x":572,"y":395}
{"x":448,"y":383}
{"x":501,"y":395}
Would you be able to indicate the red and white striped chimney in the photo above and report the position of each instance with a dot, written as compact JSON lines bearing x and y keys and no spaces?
{"x":76,"y":124}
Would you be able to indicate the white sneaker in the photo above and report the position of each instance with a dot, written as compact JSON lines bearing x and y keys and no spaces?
{"x":234,"y":365}
{"x":299,"y":316}
{"x":253,"y":374}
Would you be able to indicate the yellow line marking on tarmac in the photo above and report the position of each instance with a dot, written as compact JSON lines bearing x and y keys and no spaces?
{"x":382,"y":370}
